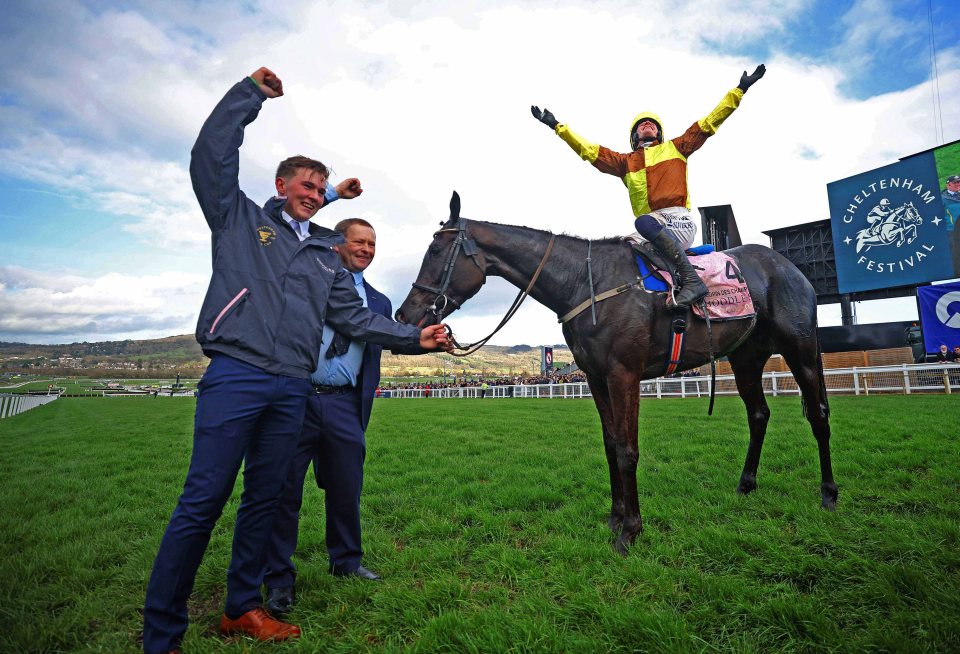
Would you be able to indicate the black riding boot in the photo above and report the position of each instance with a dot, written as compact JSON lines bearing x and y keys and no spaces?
{"x":692,"y":289}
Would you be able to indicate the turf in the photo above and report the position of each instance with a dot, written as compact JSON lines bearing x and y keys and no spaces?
{"x":487,"y":520}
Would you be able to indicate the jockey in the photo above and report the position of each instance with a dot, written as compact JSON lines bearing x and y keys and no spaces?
{"x":878,"y":214}
{"x":655,"y":174}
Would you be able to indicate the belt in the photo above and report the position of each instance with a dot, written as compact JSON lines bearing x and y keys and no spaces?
{"x":321,"y":389}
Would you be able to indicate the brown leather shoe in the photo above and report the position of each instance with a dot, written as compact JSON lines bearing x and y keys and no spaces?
{"x":258,"y":623}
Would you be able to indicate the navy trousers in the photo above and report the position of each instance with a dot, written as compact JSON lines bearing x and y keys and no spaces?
{"x":244,"y":415}
{"x":333,"y":440}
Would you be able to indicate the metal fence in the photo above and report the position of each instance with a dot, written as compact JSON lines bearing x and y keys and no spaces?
{"x":11,"y":405}
{"x":875,"y":380}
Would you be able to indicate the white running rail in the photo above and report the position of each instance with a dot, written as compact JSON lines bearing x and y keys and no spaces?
{"x":875,"y":380}
{"x":11,"y":405}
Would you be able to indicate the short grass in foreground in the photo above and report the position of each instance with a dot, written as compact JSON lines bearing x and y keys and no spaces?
{"x":487,"y":520}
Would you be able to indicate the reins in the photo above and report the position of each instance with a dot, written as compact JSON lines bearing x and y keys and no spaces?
{"x":469,"y":248}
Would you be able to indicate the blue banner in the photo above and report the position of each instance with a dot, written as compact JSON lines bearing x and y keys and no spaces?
{"x":940,"y":315}
{"x":890,"y":228}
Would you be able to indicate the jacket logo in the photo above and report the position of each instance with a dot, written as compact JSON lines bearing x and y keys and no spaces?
{"x":326,"y":267}
{"x":266,"y":234}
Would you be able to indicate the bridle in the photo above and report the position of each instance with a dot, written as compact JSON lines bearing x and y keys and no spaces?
{"x":463,"y":243}
{"x":469,"y":248}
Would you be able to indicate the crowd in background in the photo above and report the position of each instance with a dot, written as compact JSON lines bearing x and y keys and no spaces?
{"x":479,"y":381}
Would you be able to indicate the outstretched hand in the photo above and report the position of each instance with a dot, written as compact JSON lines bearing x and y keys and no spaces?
{"x":349,"y":188}
{"x":544,"y":117}
{"x":269,"y":83}
{"x":436,"y":337}
{"x":746,"y":81}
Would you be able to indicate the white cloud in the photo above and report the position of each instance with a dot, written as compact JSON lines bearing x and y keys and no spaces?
{"x":418,"y":99}
{"x":61,"y":307}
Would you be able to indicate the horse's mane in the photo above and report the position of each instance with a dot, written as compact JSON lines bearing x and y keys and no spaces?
{"x":603,"y":240}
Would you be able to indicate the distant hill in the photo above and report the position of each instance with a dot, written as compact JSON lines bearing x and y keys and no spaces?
{"x":163,"y":357}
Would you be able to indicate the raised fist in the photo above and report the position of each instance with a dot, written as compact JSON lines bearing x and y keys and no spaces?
{"x":269,"y":83}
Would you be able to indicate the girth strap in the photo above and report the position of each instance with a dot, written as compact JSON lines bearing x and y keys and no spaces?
{"x":600,"y":297}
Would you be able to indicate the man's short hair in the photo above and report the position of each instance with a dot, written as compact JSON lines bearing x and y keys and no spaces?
{"x":347,"y":223}
{"x":289,"y":167}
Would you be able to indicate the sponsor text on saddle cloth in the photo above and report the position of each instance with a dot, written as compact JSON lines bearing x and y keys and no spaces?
{"x":728,"y":297}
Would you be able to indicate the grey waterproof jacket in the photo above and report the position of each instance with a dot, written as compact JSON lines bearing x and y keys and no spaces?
{"x":270,"y":293}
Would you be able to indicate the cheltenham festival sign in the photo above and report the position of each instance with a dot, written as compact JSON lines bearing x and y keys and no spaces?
{"x":891,"y":225}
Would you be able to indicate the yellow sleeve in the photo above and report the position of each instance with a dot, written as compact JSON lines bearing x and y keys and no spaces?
{"x":721,"y":112}
{"x":588,"y":151}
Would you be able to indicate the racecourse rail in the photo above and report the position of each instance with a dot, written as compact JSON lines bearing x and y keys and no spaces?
{"x":11,"y":405}
{"x":898,"y":379}
{"x":902,"y":379}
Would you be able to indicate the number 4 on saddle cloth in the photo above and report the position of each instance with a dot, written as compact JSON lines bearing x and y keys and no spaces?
{"x":728,"y":297}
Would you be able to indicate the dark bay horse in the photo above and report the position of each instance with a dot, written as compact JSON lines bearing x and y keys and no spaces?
{"x":630,"y":340}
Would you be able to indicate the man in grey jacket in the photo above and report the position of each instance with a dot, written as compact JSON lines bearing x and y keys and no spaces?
{"x":276,"y":281}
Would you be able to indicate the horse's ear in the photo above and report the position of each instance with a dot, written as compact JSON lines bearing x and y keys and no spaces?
{"x":455,"y":206}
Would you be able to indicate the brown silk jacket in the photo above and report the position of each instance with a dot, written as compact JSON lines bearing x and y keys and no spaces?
{"x":656,"y":176}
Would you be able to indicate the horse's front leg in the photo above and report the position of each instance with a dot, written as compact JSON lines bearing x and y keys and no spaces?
{"x":615,"y":521}
{"x":625,"y":404}
{"x":601,"y":398}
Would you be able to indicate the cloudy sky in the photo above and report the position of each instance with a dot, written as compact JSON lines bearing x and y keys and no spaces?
{"x":103,"y":240}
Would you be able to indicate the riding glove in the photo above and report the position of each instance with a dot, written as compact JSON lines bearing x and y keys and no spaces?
{"x":746,"y":81}
{"x":544,"y":117}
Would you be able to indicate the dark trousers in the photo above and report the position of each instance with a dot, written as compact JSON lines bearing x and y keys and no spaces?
{"x":332,"y":439}
{"x":243,"y":415}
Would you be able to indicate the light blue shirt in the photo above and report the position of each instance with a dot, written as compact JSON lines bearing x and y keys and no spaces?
{"x":330,"y":195}
{"x":342,"y":370}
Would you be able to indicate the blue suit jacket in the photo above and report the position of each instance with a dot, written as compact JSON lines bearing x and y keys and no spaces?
{"x":369,"y":376}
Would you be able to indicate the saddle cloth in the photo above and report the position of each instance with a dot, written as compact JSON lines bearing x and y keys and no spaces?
{"x":728,"y":297}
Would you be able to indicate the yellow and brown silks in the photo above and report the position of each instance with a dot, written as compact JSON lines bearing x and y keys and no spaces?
{"x":655,"y":176}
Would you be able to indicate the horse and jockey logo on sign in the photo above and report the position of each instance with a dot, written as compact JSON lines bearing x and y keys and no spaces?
{"x":897,"y":226}
{"x":889,"y":227}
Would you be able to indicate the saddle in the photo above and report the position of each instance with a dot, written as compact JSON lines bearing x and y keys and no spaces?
{"x":728,"y":297}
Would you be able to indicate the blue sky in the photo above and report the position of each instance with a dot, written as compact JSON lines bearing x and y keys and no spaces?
{"x":102,"y":238}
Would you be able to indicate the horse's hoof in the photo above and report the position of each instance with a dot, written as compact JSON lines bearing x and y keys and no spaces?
{"x":615,"y":525}
{"x":746,"y":486}
{"x":620,"y":547}
{"x":829,"y":498}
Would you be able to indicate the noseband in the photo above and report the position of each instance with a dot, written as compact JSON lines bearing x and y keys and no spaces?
{"x":469,"y":248}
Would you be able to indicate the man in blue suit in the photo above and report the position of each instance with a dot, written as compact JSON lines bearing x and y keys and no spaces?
{"x":332,"y":437}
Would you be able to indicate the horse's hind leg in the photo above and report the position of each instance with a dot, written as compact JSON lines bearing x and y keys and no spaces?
{"x":601,"y":397}
{"x":806,"y":363}
{"x":747,"y":363}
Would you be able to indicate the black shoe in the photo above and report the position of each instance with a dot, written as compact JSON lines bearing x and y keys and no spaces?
{"x":361,"y":572}
{"x":279,"y":600}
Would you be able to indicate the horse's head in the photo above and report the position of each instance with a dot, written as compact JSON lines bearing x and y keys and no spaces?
{"x":911,"y":215}
{"x":452,"y":272}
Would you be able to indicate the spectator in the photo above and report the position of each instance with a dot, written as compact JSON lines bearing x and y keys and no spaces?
{"x":943,"y":355}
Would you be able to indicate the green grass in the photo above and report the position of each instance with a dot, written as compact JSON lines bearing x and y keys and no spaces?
{"x":487,"y":520}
